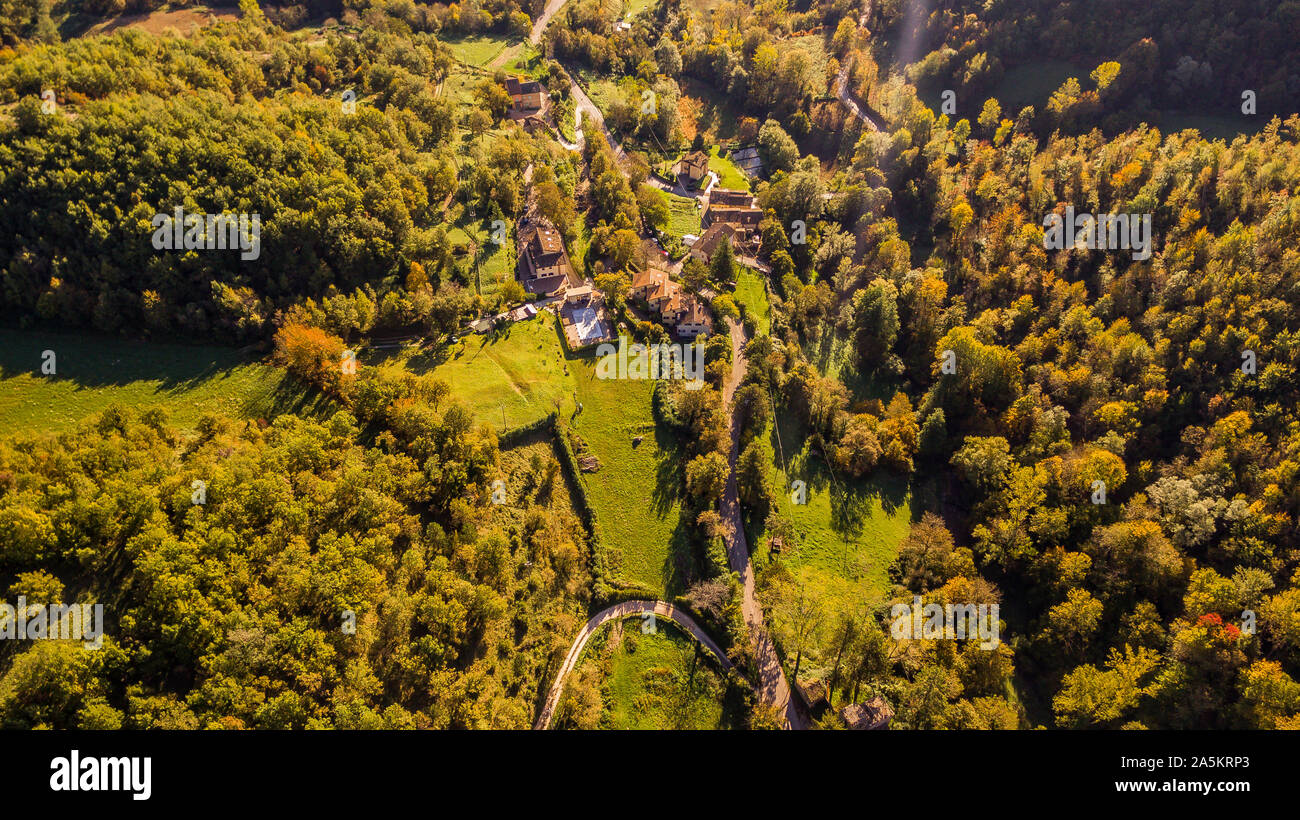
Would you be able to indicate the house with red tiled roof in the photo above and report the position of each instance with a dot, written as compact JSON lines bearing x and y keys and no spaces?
{"x":693,"y":320}
{"x":653,"y":287}
{"x":712,"y":238}
{"x":692,"y":167}
{"x":543,"y":266}
{"x":526,"y":96}
{"x":677,"y":309}
{"x":732,"y":207}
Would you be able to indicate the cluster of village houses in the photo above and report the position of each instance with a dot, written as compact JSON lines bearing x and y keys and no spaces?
{"x":544,"y":268}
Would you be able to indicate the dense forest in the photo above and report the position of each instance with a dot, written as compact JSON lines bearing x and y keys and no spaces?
{"x":300,"y":574}
{"x":1198,"y":55}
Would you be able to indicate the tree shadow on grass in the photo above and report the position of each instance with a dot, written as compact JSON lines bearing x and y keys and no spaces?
{"x":669,"y":471}
{"x":680,"y":563}
{"x":291,"y":395}
{"x":94,"y":360}
{"x":428,"y":359}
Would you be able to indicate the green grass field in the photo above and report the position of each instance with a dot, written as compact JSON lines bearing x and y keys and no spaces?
{"x":834,"y":355}
{"x":603,"y":92}
{"x":729,"y":176}
{"x":656,"y":681}
{"x":683,"y":216}
{"x":704,"y":7}
{"x":1029,"y":84}
{"x":632,"y":8}
{"x":522,"y":370}
{"x":478,"y":49}
{"x":94,"y":372}
{"x":1211,"y":126}
{"x":634,"y":494}
{"x":519,"y":369}
{"x":460,"y":84}
{"x":752,"y":293}
{"x":496,"y":263}
{"x":524,"y":59}
{"x":815,"y":47}
{"x":848,"y":530}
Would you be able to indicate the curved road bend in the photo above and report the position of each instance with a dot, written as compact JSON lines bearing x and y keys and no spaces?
{"x":661,"y":609}
{"x":583,"y":103}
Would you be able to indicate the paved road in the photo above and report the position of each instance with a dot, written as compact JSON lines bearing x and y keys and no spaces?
{"x":587,"y":112}
{"x":539,"y":26}
{"x":661,"y":609}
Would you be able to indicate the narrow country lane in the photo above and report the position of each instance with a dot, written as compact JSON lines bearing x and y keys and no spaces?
{"x":661,"y":609}
{"x":772,"y":683}
{"x":842,"y":84}
{"x":540,"y":24}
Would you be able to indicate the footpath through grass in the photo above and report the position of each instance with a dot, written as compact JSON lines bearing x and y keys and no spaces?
{"x":94,"y":372}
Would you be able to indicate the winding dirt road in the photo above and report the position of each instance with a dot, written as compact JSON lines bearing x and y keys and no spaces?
{"x":661,"y":609}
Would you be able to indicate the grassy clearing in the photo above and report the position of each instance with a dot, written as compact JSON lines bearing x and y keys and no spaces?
{"x":704,"y":7}
{"x":751,"y":292}
{"x":634,"y":494}
{"x":1211,"y":126}
{"x":155,"y":22}
{"x":459,"y":86}
{"x":834,"y":355}
{"x":522,"y":58}
{"x":519,"y":369}
{"x":496,"y":263}
{"x":846,"y":535}
{"x":683,"y":216}
{"x":729,"y":176}
{"x":848,"y":531}
{"x":656,"y":680}
{"x":604,"y":93}
{"x":578,"y":250}
{"x":94,"y":372}
{"x":631,"y":8}
{"x":814,"y":45}
{"x":1032,"y":84}
{"x":478,"y":49}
